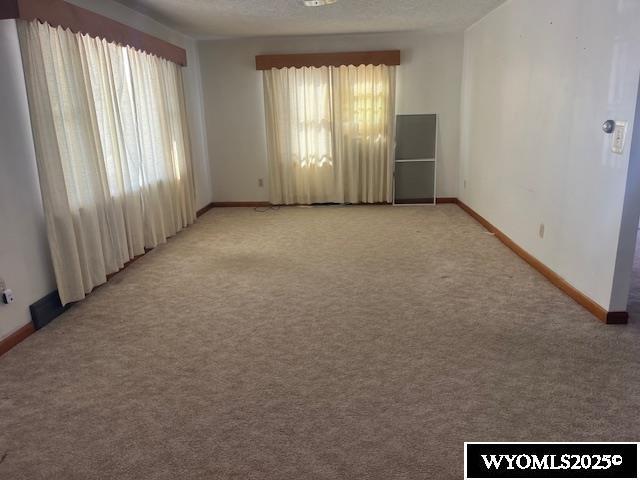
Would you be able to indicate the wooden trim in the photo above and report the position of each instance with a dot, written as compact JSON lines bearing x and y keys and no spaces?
{"x":267,"y":204}
{"x":298,"y":60}
{"x":204,"y":210}
{"x":49,"y":307}
{"x":598,"y":311}
{"x":239,"y":204}
{"x":126,"y":264}
{"x":9,"y":9}
{"x":200,"y":212}
{"x":611,"y":318}
{"x":59,"y":13}
{"x":15,"y":338}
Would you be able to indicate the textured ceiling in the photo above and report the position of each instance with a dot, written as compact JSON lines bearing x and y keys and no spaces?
{"x":213,"y":18}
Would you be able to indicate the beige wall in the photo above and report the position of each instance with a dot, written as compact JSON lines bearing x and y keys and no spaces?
{"x":428,"y":81}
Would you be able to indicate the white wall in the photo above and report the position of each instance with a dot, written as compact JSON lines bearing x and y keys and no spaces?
{"x":25,"y":264}
{"x":428,"y":81}
{"x":629,"y":225}
{"x":540,"y":77}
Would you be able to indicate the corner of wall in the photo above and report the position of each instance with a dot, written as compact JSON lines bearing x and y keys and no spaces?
{"x":198,"y":130}
{"x":621,"y":283}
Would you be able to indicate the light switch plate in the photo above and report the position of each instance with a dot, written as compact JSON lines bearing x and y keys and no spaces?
{"x":618,"y":137}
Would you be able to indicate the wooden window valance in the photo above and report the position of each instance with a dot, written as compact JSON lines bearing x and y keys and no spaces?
{"x":59,"y":13}
{"x":298,"y":60}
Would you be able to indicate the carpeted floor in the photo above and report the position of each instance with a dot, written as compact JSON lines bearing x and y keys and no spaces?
{"x":313,"y":343}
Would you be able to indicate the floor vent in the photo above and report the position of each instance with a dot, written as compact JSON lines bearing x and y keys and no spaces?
{"x":46,"y":309}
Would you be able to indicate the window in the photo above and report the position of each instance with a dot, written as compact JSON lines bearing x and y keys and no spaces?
{"x":112,"y":151}
{"x":329,"y":133}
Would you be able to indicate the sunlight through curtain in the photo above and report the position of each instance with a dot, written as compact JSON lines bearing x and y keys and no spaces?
{"x":114,"y":161}
{"x":330,"y":133}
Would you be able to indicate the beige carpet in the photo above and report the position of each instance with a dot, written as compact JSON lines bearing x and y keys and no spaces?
{"x":323,"y":343}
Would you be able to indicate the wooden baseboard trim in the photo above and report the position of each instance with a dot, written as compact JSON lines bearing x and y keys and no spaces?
{"x":126,"y":264}
{"x":268,"y":204}
{"x":15,"y":338}
{"x":239,"y":204}
{"x":595,"y":309}
{"x":204,"y":210}
{"x":45,"y":310}
{"x":610,"y":318}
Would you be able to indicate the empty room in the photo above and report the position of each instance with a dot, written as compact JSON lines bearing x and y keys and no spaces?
{"x":319,"y":239}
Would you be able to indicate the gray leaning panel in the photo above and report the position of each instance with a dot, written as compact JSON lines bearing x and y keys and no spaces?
{"x":415,"y":182}
{"x":415,"y":136}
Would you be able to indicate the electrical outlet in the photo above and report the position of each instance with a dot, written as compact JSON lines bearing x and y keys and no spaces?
{"x":7,"y":296}
{"x":541,"y":230}
{"x":260,"y":182}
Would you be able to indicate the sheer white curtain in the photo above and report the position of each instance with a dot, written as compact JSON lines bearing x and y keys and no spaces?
{"x":298,"y":110}
{"x":111,"y":140}
{"x":330,"y":133}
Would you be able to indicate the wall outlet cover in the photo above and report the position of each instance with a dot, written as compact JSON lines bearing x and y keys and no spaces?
{"x":7,"y":296}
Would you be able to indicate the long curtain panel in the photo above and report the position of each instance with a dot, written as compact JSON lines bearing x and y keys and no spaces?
{"x":330,"y":133}
{"x":112,"y":148}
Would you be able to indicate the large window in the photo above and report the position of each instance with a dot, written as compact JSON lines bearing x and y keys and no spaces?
{"x":329,"y":133}
{"x":112,"y":149}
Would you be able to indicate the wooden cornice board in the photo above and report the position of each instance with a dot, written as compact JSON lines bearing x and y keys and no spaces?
{"x":299,"y":60}
{"x":59,"y":13}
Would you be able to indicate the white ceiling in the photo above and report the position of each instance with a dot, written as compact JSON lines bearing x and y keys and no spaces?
{"x":222,"y":18}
